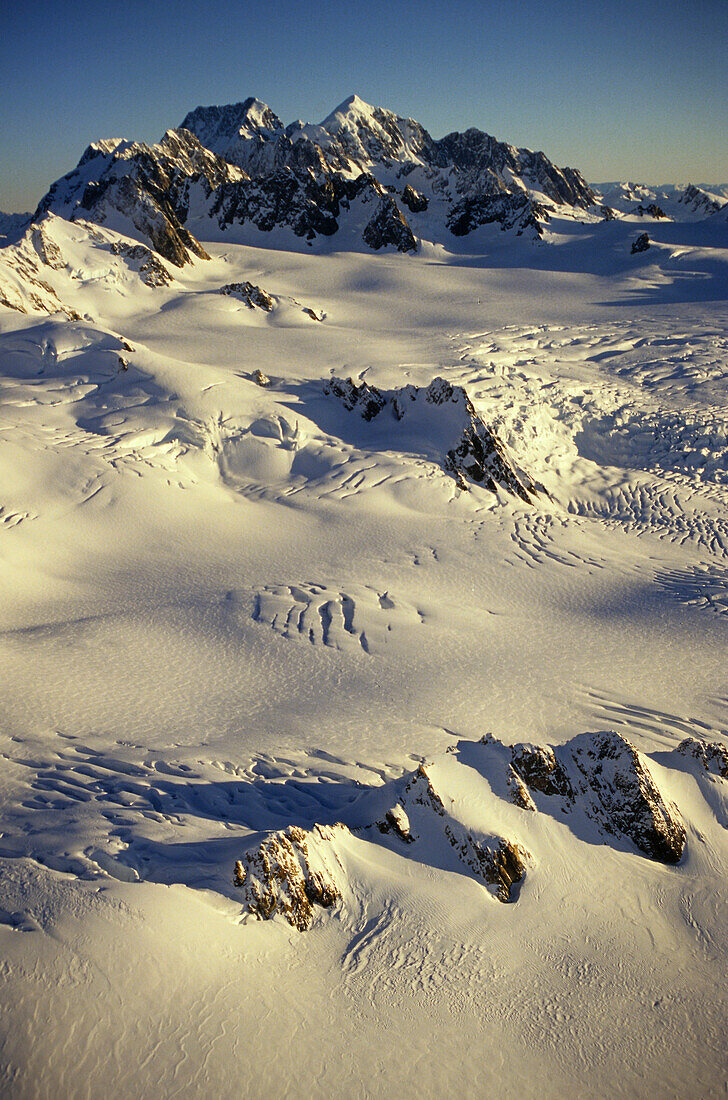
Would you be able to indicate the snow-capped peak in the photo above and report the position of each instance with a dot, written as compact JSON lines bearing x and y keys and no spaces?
{"x":220,"y":127}
{"x":370,"y":135}
{"x":352,"y":110}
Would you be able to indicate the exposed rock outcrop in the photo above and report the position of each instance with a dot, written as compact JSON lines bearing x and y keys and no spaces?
{"x":651,"y":210}
{"x":604,"y":776}
{"x":151,"y":270}
{"x":414,"y":201}
{"x":468,"y":448}
{"x":396,"y":821}
{"x":699,"y":201}
{"x":448,"y":814}
{"x":24,"y":285}
{"x":712,"y":756}
{"x":253,"y":296}
{"x":47,"y":249}
{"x":499,"y":863}
{"x":517,"y":212}
{"x":291,"y":873}
{"x":389,"y":227}
{"x":540,"y":770}
{"x":641,"y":243}
{"x":619,"y":791}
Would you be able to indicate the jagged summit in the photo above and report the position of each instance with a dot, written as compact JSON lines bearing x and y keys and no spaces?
{"x":353,"y":104}
{"x":220,"y":128}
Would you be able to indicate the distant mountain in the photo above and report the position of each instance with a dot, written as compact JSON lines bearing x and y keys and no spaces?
{"x":12,"y":226}
{"x":687,"y":202}
{"x":380,"y":176}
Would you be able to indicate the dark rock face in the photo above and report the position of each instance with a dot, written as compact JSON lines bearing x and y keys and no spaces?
{"x":151,"y":270}
{"x":310,"y":206}
{"x":641,"y":243}
{"x":252,"y":137}
{"x":281,"y":199}
{"x":712,"y":756}
{"x":250,"y":294}
{"x":477,"y":152}
{"x":622,"y":794}
{"x":480,"y":456}
{"x":540,"y":770}
{"x":651,"y":210}
{"x":501,"y":865}
{"x":414,"y":201}
{"x":421,"y":791}
{"x":219,"y":127}
{"x":388,"y":227}
{"x":517,"y":212}
{"x":605,"y":777}
{"x":597,"y":782}
{"x":477,"y":455}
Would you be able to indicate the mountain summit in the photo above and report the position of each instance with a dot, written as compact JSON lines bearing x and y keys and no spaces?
{"x":223,"y":129}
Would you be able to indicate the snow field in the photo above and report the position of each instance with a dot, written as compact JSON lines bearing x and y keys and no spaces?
{"x":229,"y":609}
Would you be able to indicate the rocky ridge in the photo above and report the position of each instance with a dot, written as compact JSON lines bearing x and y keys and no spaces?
{"x":451,"y":430}
{"x":37,"y":276}
{"x":604,"y":776}
{"x":25,"y":268}
{"x":597,"y":784}
{"x":142,"y":190}
{"x":676,"y":203}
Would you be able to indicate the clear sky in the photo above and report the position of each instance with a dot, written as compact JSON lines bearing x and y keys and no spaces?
{"x":619,"y":90}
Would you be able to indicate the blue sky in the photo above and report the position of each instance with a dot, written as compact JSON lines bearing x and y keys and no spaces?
{"x":618,"y":90}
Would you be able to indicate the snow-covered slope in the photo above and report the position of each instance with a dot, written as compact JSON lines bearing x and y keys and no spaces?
{"x":284,"y":534}
{"x":142,"y":190}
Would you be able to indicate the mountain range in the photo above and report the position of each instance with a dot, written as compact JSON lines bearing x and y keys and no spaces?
{"x":364,"y":175}
{"x":236,"y":171}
